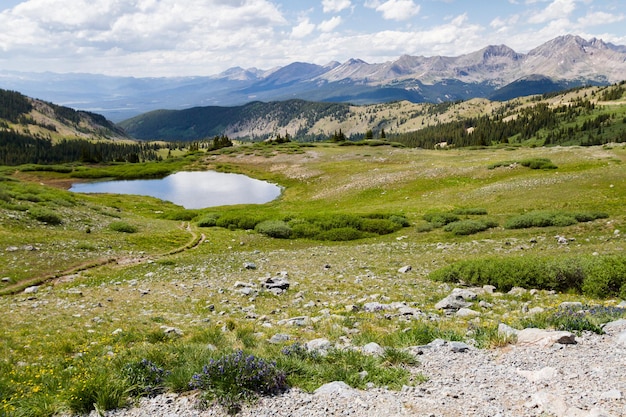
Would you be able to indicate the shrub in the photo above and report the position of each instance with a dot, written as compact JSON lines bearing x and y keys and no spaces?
{"x":337,"y":221}
{"x":341,"y":234}
{"x":597,"y":276}
{"x":100,"y":390}
{"x":238,"y":221}
{"x":209,"y":220}
{"x":539,"y":219}
{"x":304,"y":229}
{"x":123,"y":227}
{"x":236,"y":378}
{"x":401,"y":220}
{"x":274,"y":228}
{"x":589,"y":216}
{"x":180,"y":215}
{"x":380,"y":226}
{"x":469,"y":227}
{"x":538,"y":163}
{"x":439,"y":219}
{"x":45,"y":216}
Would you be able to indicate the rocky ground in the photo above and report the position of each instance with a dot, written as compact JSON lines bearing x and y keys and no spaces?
{"x":540,"y":375}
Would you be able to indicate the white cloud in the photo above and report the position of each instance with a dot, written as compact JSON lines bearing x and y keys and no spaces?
{"x":395,"y":9}
{"x":558,"y":9}
{"x":330,"y":6}
{"x":600,"y":18}
{"x":304,"y":28}
{"x":330,"y":24}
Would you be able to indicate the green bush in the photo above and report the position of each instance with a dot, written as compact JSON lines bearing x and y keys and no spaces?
{"x":597,"y":276}
{"x":180,"y":215}
{"x":538,"y":163}
{"x":274,"y":228}
{"x":440,"y":219}
{"x":303,"y":229}
{"x":380,"y":226}
{"x":337,"y":221}
{"x":547,"y":219}
{"x":341,"y":234}
{"x":45,"y":216}
{"x":539,"y":219}
{"x":208,"y":220}
{"x":401,"y":220}
{"x":238,"y":221}
{"x":469,"y":227}
{"x":123,"y":227}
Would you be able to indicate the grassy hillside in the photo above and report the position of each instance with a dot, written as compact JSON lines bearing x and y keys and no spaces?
{"x":582,"y":116}
{"x":132,"y":290}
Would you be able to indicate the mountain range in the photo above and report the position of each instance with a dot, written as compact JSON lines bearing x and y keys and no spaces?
{"x":496,"y":72}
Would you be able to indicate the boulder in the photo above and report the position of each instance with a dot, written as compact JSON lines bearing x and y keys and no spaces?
{"x":544,"y":338}
{"x":336,"y":389}
{"x":373,"y":349}
{"x":276,"y":283}
{"x":405,"y":269}
{"x":467,"y":312}
{"x":321,"y":346}
{"x":31,"y":290}
{"x":457,"y":299}
{"x":279,"y":338}
{"x":616,"y":326}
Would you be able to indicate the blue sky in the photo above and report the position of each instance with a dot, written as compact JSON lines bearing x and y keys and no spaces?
{"x":204,"y":37}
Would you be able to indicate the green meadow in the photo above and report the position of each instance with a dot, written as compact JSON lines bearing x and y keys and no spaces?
{"x":129,"y":296}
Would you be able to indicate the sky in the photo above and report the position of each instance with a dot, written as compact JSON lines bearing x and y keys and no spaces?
{"x":165,"y":38}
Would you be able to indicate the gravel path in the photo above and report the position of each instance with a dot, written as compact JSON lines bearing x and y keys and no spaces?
{"x":586,"y":379}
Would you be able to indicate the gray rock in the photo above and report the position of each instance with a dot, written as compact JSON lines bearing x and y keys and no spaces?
{"x":249,"y":265}
{"x":31,"y":290}
{"x":6,"y":279}
{"x":350,"y":308}
{"x":621,"y":338}
{"x":458,"y":347}
{"x":405,"y":269}
{"x":374,"y":306}
{"x":613,"y":394}
{"x":172,"y":331}
{"x":507,"y":331}
{"x":544,"y":374}
{"x":572,"y":305}
{"x":276,"y":283}
{"x":467,"y":312}
{"x":321,"y":345}
{"x":458,"y":298}
{"x":373,"y":349}
{"x":616,"y":326}
{"x":517,"y":291}
{"x":544,"y":338}
{"x":336,"y":389}
{"x":437,"y":343}
{"x":489,"y":289}
{"x":279,"y":338}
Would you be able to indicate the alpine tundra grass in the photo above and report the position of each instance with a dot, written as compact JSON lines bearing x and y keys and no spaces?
{"x":110,"y":314}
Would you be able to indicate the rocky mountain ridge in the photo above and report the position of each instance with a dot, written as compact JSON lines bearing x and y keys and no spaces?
{"x":566,"y":61}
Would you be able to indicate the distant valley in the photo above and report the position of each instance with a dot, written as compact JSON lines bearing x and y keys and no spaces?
{"x":494,"y":72}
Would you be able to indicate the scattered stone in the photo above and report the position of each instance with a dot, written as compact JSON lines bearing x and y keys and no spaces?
{"x":172,"y":331}
{"x":458,"y":298}
{"x":373,"y":349}
{"x":351,"y":308}
{"x":572,"y":305}
{"x":561,"y":240}
{"x":507,"y":330}
{"x":489,"y":289}
{"x":517,"y":291}
{"x":149,"y":275}
{"x":467,"y":312}
{"x":544,"y":374}
{"x":31,"y":290}
{"x":405,"y":269}
{"x":321,"y":346}
{"x":12,"y":249}
{"x":613,"y":394}
{"x":277,"y":283}
{"x":295,"y":321}
{"x":484,"y":304}
{"x":6,"y":279}
{"x":249,"y":265}
{"x":544,"y":338}
{"x":458,"y":347}
{"x":374,"y":306}
{"x":615,"y":326}
{"x":279,"y":338}
{"x":336,"y":389}
{"x":536,"y":310}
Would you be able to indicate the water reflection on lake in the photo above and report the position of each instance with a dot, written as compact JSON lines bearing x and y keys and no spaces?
{"x":192,"y":189}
